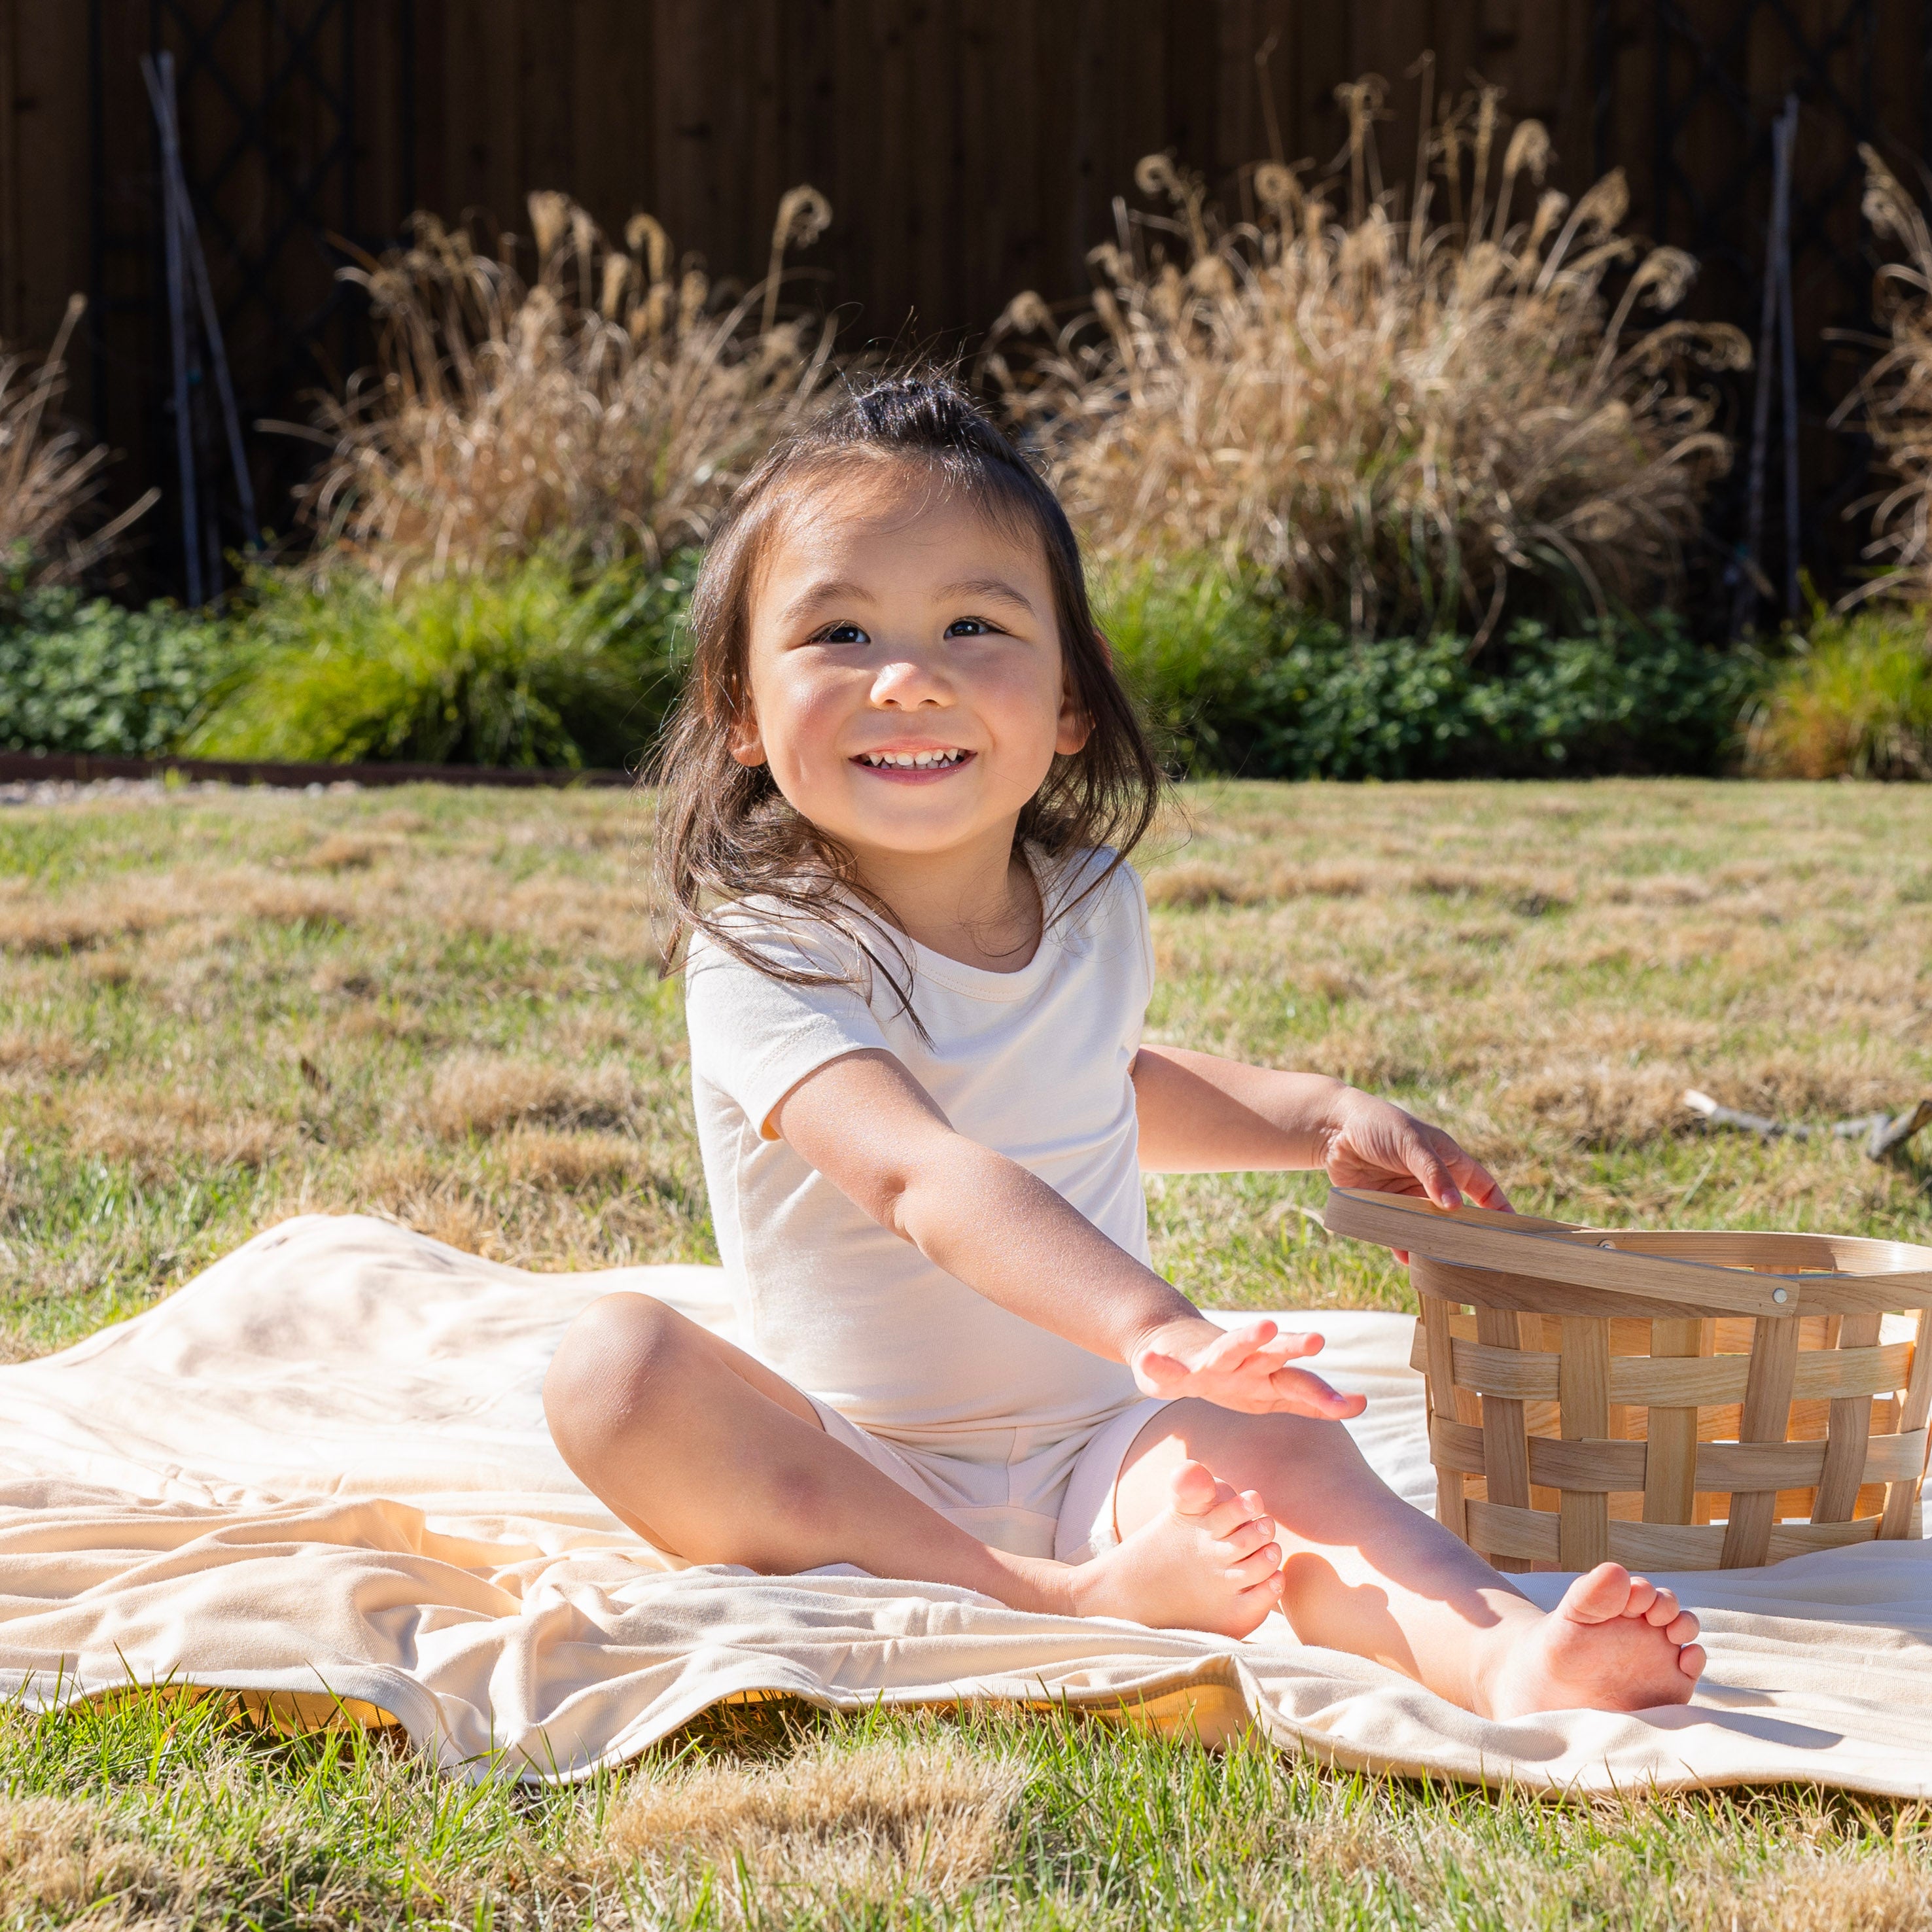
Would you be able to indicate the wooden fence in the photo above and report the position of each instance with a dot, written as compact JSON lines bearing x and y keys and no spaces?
{"x":969,"y":148}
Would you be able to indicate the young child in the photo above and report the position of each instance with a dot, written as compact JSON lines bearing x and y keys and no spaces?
{"x":896,"y":804}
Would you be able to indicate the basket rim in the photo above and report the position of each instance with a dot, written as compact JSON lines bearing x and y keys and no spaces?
{"x":1647,"y":1265}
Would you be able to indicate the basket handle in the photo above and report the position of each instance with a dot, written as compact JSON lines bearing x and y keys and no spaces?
{"x":1524,"y":1245}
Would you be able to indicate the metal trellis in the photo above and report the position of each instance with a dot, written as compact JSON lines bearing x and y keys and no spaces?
{"x":273,"y":119}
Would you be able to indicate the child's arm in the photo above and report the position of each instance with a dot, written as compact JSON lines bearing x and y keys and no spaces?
{"x":1199,"y":1113}
{"x":875,"y":1132}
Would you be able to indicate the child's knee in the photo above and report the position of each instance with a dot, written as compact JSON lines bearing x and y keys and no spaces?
{"x":607,"y":1356}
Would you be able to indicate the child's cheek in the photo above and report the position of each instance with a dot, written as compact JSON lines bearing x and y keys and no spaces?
{"x":810,"y":753}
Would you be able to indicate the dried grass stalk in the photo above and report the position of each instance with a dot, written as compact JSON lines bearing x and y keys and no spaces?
{"x":49,"y":479}
{"x":1388,"y":414}
{"x":609,"y":408}
{"x":1896,"y":394}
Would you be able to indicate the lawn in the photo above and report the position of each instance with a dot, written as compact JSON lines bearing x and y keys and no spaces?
{"x":218,"y":1008}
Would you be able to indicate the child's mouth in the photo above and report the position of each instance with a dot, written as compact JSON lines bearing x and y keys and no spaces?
{"x":921,"y":766}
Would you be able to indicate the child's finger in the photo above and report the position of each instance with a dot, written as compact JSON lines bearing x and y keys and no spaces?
{"x":1291,"y":1346}
{"x":1281,"y":1348}
{"x":1275,"y":1355}
{"x":1237,"y":1345}
{"x":1305,"y":1394}
{"x":1438,"y":1182}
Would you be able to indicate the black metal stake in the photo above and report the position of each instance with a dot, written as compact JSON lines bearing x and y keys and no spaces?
{"x":181,"y":211}
{"x":1743,"y":605}
{"x":153,"y":70}
{"x":1787,"y":136}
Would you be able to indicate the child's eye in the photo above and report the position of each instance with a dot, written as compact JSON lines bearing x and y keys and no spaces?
{"x":973,"y":627}
{"x":840,"y":633}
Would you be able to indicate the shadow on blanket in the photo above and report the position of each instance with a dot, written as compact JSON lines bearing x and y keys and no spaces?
{"x":319,"y":1475}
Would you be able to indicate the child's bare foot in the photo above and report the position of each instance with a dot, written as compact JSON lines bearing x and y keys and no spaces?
{"x":1616,"y":1643}
{"x":1207,"y":1562}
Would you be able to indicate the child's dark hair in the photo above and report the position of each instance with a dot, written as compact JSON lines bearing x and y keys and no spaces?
{"x":724,"y":830}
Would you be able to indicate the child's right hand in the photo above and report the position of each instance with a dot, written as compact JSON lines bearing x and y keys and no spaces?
{"x":1244,"y":1368}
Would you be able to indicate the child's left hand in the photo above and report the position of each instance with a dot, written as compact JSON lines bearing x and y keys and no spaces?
{"x":1370,"y":1143}
{"x":1244,"y":1368}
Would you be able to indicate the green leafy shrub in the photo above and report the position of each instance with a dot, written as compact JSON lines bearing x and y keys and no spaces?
{"x":1231,"y":682}
{"x":87,"y":675}
{"x":531,"y":667}
{"x":1853,"y":699}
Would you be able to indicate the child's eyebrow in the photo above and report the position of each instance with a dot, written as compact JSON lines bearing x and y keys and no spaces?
{"x":985,"y":586}
{"x":832,"y":590}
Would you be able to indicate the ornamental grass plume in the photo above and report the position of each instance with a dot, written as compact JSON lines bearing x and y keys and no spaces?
{"x":1389,"y":416}
{"x":1896,"y":395}
{"x":49,"y":477}
{"x":608,"y":408}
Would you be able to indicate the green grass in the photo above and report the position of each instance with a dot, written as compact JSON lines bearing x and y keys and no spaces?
{"x":152,"y":1812}
{"x":218,"y":1008}
{"x":1854,"y":698}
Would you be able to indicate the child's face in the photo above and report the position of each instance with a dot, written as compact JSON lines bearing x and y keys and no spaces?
{"x":907,"y":682}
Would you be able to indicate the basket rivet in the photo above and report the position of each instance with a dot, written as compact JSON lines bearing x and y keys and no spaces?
{"x":1780,"y":1294}
{"x":1606,"y":1244}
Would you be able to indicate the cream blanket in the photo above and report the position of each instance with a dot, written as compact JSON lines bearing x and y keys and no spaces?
{"x":320,"y":1473}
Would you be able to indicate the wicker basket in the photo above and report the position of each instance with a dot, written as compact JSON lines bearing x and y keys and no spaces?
{"x":1668,"y":1401}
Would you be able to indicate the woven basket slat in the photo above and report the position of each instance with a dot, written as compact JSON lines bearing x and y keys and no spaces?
{"x":1577,"y":1413}
{"x":1848,"y":1430}
{"x":1436,"y":1347}
{"x":1767,"y":1412}
{"x":1583,"y":1382}
{"x":1670,"y":1427}
{"x":1505,"y":1437}
{"x":1513,"y":1539}
{"x":1902,"y":1497}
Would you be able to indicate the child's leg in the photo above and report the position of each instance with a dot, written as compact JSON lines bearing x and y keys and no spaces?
{"x":1366,"y":1572}
{"x":710,"y":1456}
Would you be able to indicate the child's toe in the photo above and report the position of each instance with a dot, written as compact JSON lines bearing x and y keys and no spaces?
{"x":1257,"y":1566}
{"x":1244,"y":1537}
{"x":1682,"y":1627}
{"x":1663,"y":1608}
{"x":1598,"y":1595}
{"x":1690,"y":1660}
{"x":1194,"y":1489}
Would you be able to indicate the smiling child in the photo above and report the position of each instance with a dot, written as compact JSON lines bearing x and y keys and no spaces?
{"x":896,"y":806}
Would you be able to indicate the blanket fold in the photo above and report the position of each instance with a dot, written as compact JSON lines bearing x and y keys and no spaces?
{"x":319,"y":1475}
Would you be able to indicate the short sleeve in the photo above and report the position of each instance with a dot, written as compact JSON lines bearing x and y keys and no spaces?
{"x":755,"y":1036}
{"x":1107,"y":912}
{"x":1135,"y":894}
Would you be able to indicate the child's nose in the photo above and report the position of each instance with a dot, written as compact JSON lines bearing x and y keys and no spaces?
{"x":907,"y":681}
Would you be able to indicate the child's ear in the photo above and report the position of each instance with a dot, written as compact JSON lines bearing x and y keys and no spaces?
{"x":1075,"y":727}
{"x":745,"y":742}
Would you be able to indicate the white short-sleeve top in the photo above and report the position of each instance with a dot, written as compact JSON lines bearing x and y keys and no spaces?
{"x":1035,"y":1064}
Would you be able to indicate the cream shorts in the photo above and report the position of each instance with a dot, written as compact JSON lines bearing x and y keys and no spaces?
{"x":1016,"y":1491}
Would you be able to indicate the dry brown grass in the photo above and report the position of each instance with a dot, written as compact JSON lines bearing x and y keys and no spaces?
{"x":157,"y":1132}
{"x":50,"y":477}
{"x":481,"y":1093}
{"x":61,"y":1861}
{"x":1895,"y":396}
{"x":609,"y":407}
{"x":572,"y":1161}
{"x":1387,"y":413}
{"x":927,"y":1818}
